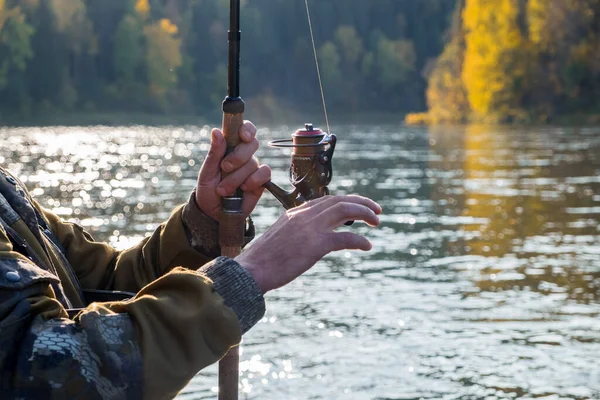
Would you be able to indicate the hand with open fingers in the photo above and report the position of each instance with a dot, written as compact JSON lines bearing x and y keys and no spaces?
{"x":304,"y":235}
{"x":241,"y":168}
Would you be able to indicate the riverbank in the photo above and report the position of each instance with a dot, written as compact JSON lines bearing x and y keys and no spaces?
{"x":102,"y":118}
{"x":257,"y":114}
{"x":423,"y":119}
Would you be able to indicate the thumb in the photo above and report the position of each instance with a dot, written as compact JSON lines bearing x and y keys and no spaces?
{"x":211,"y":167}
{"x":348,"y":241}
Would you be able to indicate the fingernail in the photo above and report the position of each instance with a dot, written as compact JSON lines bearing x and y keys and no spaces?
{"x":227,"y":166}
{"x":246,"y":135}
{"x":221,"y":191}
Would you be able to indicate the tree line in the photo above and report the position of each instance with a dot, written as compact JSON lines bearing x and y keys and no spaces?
{"x":170,"y":56}
{"x":518,"y":61}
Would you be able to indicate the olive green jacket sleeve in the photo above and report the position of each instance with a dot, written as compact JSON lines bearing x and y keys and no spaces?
{"x":182,"y":319}
{"x":100,"y":266}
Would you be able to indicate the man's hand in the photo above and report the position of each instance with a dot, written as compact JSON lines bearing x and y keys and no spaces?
{"x":242,"y":168}
{"x":304,"y":235}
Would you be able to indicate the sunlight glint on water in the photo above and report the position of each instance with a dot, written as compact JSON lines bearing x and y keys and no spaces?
{"x":484,"y":279}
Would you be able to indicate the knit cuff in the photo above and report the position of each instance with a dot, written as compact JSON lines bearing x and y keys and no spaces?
{"x":238,"y":289}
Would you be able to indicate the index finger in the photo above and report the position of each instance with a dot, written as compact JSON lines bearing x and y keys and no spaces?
{"x":247,"y":131}
{"x":325,"y":202}
{"x":338,"y":214}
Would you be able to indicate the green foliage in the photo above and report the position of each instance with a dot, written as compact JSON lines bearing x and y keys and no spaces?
{"x":330,"y":60}
{"x":350,"y":43}
{"x":395,"y":61}
{"x":170,"y":55}
{"x":129,"y":49}
{"x":15,"y":46}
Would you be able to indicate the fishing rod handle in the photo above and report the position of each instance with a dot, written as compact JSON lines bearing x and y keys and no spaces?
{"x":232,"y":221}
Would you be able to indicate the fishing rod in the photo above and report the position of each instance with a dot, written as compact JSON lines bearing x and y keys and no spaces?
{"x":310,"y":172}
{"x":231,"y":221}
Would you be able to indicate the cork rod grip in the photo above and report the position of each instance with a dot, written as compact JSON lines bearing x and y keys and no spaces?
{"x":231,"y":128}
{"x":232,"y":221}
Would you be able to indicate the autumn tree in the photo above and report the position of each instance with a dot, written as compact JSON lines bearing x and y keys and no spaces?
{"x":446,"y":93}
{"x":494,"y":64}
{"x":565,"y":38}
{"x":163,"y":57}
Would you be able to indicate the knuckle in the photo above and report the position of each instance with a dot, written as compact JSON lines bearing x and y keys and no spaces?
{"x":211,"y":154}
{"x":266,"y":172}
{"x":251,"y":183}
{"x":346,"y":208}
{"x":227,"y":185}
{"x":339,"y":208}
{"x":234,"y":158}
{"x":337,"y":198}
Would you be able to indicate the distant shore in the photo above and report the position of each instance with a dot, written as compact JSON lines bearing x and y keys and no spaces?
{"x":103,"y":118}
{"x":291,"y":118}
{"x":424,"y":119}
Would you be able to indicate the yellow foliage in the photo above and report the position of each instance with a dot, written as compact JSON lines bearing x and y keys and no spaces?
{"x":495,"y":59}
{"x":3,"y":16}
{"x":142,"y":7}
{"x":417,"y":119}
{"x":168,"y":27}
{"x":537,"y":15}
{"x":446,"y":95}
{"x":163,"y":58}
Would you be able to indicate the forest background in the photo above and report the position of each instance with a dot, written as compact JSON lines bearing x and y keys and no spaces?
{"x":452,"y":60}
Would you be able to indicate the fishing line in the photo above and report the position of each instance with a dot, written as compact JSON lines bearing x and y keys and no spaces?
{"x":312,"y":38}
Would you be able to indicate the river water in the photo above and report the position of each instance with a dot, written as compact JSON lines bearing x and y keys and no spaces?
{"x":483,"y":282}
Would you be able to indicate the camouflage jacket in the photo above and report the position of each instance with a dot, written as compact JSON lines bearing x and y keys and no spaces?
{"x":189,"y":307}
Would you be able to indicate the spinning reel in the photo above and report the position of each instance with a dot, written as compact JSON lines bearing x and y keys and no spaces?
{"x":311,"y":169}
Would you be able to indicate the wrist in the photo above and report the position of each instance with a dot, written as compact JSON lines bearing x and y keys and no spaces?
{"x":213,"y":214}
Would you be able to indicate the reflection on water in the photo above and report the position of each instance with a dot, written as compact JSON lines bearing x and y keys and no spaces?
{"x":484,"y":280}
